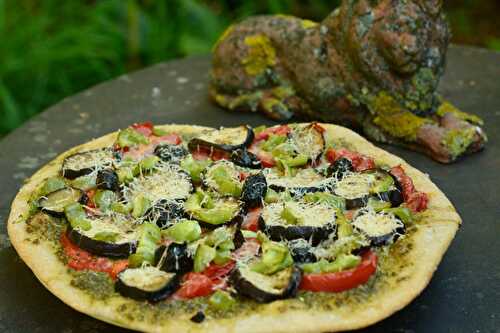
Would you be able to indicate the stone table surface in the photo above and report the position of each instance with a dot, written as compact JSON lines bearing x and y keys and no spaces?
{"x":464,"y":294}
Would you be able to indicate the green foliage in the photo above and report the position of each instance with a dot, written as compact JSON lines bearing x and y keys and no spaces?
{"x":51,"y":49}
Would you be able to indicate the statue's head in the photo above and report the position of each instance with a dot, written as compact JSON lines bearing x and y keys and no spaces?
{"x":392,"y":42}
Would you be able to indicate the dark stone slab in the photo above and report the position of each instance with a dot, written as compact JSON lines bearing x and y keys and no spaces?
{"x":464,"y":294}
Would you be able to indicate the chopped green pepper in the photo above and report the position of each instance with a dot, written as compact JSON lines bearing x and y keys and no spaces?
{"x":221,"y":300}
{"x":52,"y":184}
{"x":226,"y":185}
{"x":77,"y":217}
{"x":159,"y":132}
{"x":403,"y":213}
{"x":289,"y":215}
{"x":130,"y":138}
{"x":146,"y":164}
{"x":341,"y":263}
{"x":378,"y":205}
{"x":194,"y":167}
{"x":272,"y":141}
{"x":202,"y":207}
{"x":149,"y":237}
{"x":326,"y":198}
{"x":121,"y":207}
{"x":204,"y":255}
{"x":184,"y":231}
{"x":140,"y":205}
{"x":275,"y":257}
{"x":104,"y":199}
{"x":86,"y":182}
{"x":106,"y":236}
{"x":271,"y":196}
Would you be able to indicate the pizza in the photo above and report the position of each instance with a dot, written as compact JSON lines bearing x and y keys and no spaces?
{"x":305,"y":227}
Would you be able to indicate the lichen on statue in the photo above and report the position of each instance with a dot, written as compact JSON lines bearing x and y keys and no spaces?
{"x":371,"y":65}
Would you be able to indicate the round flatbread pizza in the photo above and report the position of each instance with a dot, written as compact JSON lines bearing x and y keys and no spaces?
{"x":302,"y":227}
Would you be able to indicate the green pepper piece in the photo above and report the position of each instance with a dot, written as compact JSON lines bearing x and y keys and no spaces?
{"x":222,"y":257}
{"x":271,"y":196}
{"x":204,"y":255}
{"x":289,"y":215}
{"x":146,"y":164}
{"x":326,"y":198}
{"x":382,"y":185}
{"x":158,"y":131}
{"x":272,"y":141}
{"x":104,"y":199}
{"x":85,"y":183}
{"x":341,"y":263}
{"x":403,"y":213}
{"x":221,"y":301}
{"x":249,"y":234}
{"x":259,"y":129}
{"x":149,"y":237}
{"x":140,"y":205}
{"x":344,"y":228}
{"x":77,"y":217}
{"x":106,"y":236}
{"x":194,"y":167}
{"x":130,"y":138}
{"x":121,"y":208}
{"x":226,"y":185}
{"x":184,"y":231}
{"x":52,"y":184}
{"x":218,"y":237}
{"x":275,"y":257}
{"x":378,"y":205}
{"x":203,"y":208}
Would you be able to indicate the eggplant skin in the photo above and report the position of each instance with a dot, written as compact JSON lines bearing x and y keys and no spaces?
{"x":390,"y":237}
{"x":340,"y":167}
{"x":170,"y":153}
{"x":56,"y":213}
{"x":153,"y":297}
{"x":244,"y":158}
{"x":69,"y":173}
{"x":196,"y":143}
{"x":101,"y":248}
{"x":107,"y":179}
{"x":303,"y":255}
{"x":177,"y":258}
{"x":248,"y":289}
{"x":254,"y":190}
{"x":356,"y":202}
{"x":165,"y":211}
{"x":291,"y":232}
{"x":198,"y":317}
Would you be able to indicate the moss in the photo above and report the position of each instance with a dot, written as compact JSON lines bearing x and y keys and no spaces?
{"x":393,"y":119}
{"x":447,"y":107}
{"x":308,"y":24}
{"x":261,"y":54}
{"x":457,"y":140}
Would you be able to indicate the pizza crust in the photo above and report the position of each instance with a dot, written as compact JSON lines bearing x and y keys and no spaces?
{"x":430,"y":242}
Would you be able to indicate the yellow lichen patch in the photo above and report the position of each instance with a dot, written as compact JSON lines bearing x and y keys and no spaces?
{"x":447,"y":107}
{"x":223,"y":36}
{"x":282,"y":92}
{"x":261,"y":54}
{"x":458,"y":140}
{"x":394,"y":119}
{"x":308,"y":24}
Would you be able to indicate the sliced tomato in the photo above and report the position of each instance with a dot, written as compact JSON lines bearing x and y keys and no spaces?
{"x":341,"y":281}
{"x":218,"y":273}
{"x":215,"y":155}
{"x":277,"y":130}
{"x":145,"y":128}
{"x":172,"y":138}
{"x":79,"y":259}
{"x":90,"y":195}
{"x":415,"y":200}
{"x":359,"y":162}
{"x":251,"y":220}
{"x":195,"y":285}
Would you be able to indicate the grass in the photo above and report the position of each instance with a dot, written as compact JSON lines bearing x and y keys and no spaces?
{"x":51,"y":49}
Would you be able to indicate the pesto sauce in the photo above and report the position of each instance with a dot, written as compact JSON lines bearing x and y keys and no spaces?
{"x":44,"y":227}
{"x":97,"y":284}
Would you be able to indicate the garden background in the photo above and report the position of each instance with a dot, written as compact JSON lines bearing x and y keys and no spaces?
{"x":51,"y":49}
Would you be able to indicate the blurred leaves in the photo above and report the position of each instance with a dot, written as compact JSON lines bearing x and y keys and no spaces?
{"x":51,"y":49}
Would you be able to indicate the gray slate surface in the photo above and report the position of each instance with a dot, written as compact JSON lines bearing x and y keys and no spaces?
{"x":464,"y":294}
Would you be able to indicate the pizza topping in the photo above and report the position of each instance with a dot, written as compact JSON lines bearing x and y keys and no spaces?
{"x":212,"y":211}
{"x":245,"y":158}
{"x":304,"y":180}
{"x":308,"y":140}
{"x":254,"y":190}
{"x":225,"y":139}
{"x":223,"y":177}
{"x":174,"y":258}
{"x":149,"y":237}
{"x":379,"y":228}
{"x":54,"y":203}
{"x":415,"y":200}
{"x":147,"y":283}
{"x":170,"y":153}
{"x":86,"y":162}
{"x":107,"y":179}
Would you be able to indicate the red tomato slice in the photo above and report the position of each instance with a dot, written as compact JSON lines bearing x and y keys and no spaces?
{"x":278,"y":130}
{"x":80,"y":259}
{"x":172,"y":139}
{"x":415,"y":200}
{"x":340,"y":281}
{"x":359,"y":162}
{"x":145,"y":128}
{"x":330,"y":155}
{"x":251,"y":220}
{"x":195,"y":285}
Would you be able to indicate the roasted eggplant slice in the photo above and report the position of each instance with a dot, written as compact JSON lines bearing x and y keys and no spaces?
{"x":304,"y":181}
{"x":246,"y":159}
{"x":107,"y":237}
{"x":167,"y":182}
{"x":164,"y":212}
{"x":308,"y":140}
{"x":379,"y":228}
{"x":296,"y":220}
{"x":225,"y":139}
{"x":358,"y":188}
{"x":339,"y":168}
{"x":301,"y":251}
{"x":83,"y":163}
{"x":254,"y":190}
{"x":170,"y":153}
{"x":107,"y":179}
{"x":54,"y":203}
{"x":147,"y":283}
{"x":266,"y":288}
{"x":174,"y":258}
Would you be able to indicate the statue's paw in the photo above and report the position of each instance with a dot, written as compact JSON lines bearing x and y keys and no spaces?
{"x":452,"y":138}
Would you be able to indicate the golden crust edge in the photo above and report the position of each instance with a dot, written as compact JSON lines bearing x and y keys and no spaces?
{"x":426,"y":256}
